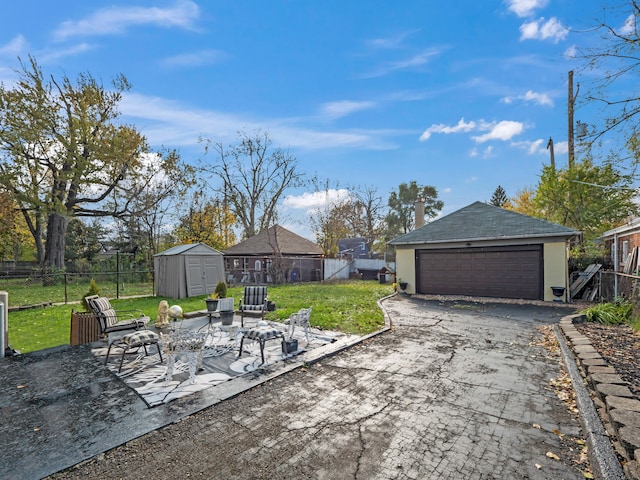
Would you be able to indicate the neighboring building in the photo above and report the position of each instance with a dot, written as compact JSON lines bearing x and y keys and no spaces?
{"x":353,"y":248}
{"x":620,"y":242}
{"x":483,"y":250}
{"x":275,"y":255}
{"x":188,"y":270}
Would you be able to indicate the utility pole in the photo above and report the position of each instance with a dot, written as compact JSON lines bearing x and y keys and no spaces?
{"x":570,"y":109}
{"x":550,"y":148}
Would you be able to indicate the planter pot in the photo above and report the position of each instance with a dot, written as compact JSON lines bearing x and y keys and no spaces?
{"x":212,"y":304}
{"x":289,"y":346}
{"x":226,"y":317}
{"x":403,"y":286}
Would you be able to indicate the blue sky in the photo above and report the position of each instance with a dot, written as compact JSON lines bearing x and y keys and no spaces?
{"x":461,"y":95}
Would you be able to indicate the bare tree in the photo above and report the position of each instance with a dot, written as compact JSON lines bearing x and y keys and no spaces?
{"x":254,"y":177}
{"x":616,"y":60}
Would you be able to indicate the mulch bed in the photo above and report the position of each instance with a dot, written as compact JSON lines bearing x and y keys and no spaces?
{"x":619,"y":345}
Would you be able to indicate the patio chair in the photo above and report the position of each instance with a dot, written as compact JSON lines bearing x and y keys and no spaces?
{"x":111,"y":320}
{"x":299,"y":319}
{"x":254,"y":301}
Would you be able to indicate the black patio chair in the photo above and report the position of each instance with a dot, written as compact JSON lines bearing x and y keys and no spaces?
{"x":254,"y":301}
{"x":111,"y":320}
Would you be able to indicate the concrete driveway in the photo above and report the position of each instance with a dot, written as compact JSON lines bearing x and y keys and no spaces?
{"x":454,"y":391}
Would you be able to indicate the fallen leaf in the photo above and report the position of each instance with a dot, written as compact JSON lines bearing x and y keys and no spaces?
{"x":587,"y":475}
{"x":553,"y":455}
{"x":20,"y":386}
{"x":535,"y":425}
{"x":538,"y":466}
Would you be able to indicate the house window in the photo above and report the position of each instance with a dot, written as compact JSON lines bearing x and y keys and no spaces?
{"x":625,"y":251}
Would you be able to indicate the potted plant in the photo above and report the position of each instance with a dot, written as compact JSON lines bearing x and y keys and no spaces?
{"x":219,"y":292}
{"x":403,"y":285}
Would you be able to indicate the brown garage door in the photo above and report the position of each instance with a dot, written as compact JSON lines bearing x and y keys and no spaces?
{"x":504,"y":272}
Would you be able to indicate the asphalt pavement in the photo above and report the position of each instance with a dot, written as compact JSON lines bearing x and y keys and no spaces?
{"x":449,"y":389}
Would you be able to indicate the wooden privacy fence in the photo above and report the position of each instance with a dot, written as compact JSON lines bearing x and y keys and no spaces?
{"x":84,"y":328}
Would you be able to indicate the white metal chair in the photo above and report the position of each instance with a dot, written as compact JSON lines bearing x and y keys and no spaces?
{"x":299,"y":319}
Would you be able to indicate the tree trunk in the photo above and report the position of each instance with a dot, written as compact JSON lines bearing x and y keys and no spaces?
{"x":55,"y":244}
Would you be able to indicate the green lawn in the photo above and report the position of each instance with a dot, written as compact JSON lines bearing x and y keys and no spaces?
{"x":349,"y":307}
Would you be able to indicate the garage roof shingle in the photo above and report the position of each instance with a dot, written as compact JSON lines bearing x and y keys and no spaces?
{"x":481,"y":221}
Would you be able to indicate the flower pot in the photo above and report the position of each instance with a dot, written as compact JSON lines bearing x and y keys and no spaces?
{"x":226,"y":317}
{"x":403,"y":285}
{"x":212,"y":304}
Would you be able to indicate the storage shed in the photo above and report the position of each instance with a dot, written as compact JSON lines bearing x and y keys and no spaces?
{"x":188,"y":270}
{"x":483,"y":250}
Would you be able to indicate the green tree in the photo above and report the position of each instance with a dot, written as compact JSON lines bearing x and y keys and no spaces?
{"x":254,"y":176}
{"x":208,"y":221}
{"x":82,"y":244}
{"x":590,"y":198}
{"x":401,"y":216}
{"x":524,"y":202}
{"x":65,"y":154}
{"x":499,"y":197}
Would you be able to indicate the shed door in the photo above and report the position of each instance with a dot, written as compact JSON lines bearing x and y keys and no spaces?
{"x":196,"y":284}
{"x":212,"y":273}
{"x":501,"y":272}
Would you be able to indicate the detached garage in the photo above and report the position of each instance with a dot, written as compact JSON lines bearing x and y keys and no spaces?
{"x":486,"y":251}
{"x":188,"y":270}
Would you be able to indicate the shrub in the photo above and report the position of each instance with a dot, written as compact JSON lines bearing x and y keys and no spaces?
{"x":220,"y":291}
{"x":93,"y":290}
{"x":618,"y":312}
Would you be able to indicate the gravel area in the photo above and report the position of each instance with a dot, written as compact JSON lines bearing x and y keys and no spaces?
{"x":619,"y":345}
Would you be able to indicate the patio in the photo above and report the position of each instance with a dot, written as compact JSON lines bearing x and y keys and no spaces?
{"x":207,"y":355}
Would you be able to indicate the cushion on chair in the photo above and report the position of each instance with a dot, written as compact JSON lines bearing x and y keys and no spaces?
{"x":254,"y":308}
{"x":139,"y":338}
{"x":255,"y":295}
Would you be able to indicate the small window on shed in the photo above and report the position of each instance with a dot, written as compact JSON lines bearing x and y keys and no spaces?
{"x":625,"y":251}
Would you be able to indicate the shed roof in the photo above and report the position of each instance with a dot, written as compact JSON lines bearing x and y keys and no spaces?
{"x":481,"y":221}
{"x":191,"y":249}
{"x":275,"y":239}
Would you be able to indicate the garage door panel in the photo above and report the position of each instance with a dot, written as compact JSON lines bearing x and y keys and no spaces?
{"x":509,"y":272}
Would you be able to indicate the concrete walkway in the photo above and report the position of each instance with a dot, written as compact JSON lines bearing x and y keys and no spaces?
{"x":453,"y":390}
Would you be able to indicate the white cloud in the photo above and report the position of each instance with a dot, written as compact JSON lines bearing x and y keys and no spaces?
{"x":316,"y":200}
{"x":629,"y":26}
{"x":535,"y":147}
{"x":461,"y":126}
{"x":544,"y":30}
{"x":394,"y":41}
{"x":195,"y":59}
{"x":416,"y":61}
{"x":343,"y":108}
{"x":15,"y":46}
{"x":53,"y":56}
{"x":504,"y":130}
{"x":531,"y":96}
{"x":172,"y":123}
{"x":115,"y":20}
{"x":525,"y":8}
{"x":487,"y":152}
{"x":571,"y":52}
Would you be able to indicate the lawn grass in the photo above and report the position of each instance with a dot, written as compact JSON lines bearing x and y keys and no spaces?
{"x":349,"y":307}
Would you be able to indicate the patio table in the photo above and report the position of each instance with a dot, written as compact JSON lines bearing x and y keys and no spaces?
{"x":186,"y":342}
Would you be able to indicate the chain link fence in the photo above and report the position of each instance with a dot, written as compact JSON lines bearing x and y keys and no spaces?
{"x":38,"y":289}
